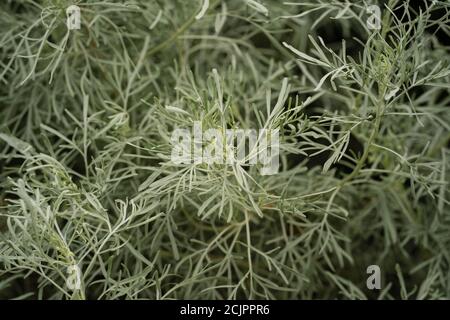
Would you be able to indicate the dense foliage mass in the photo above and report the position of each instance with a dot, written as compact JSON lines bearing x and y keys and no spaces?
{"x":88,"y":187}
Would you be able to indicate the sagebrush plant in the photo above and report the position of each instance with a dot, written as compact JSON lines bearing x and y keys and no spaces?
{"x":86,"y":118}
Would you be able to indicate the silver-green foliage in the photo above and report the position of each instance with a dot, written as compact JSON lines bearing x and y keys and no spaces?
{"x":86,"y":118}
